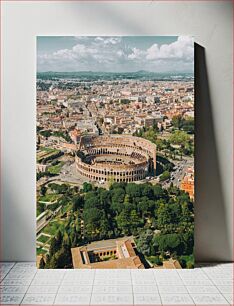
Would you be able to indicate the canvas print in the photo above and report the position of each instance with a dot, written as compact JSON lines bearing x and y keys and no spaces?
{"x":115,"y":152}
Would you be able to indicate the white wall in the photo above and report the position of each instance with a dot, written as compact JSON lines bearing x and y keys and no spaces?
{"x":209,"y":22}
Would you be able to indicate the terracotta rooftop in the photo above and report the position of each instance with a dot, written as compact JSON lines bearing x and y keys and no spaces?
{"x":107,"y":254}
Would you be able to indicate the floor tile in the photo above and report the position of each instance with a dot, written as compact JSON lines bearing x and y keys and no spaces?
{"x":3,"y":275}
{"x":11,"y":299}
{"x":169,"y":282}
{"x":142,"y":281}
{"x":79,"y":281}
{"x":145,"y":289}
{"x":196,"y":277}
{"x":142,"y":273}
{"x":176,"y":299}
{"x":222,"y":282}
{"x":26,"y":264}
{"x":79,"y":274}
{"x":112,"y":299}
{"x":16,"y":282}
{"x":171,"y":289}
{"x":38,"y":299}
{"x":43,"y":289}
{"x":13,"y":289}
{"x":72,"y":299}
{"x":112,"y":289}
{"x":147,"y":299}
{"x":6,"y":264}
{"x":209,"y":299}
{"x":229,"y":298}
{"x":110,"y":278}
{"x":114,"y":281}
{"x":225,"y":289}
{"x":19,"y":276}
{"x":74,"y":289}
{"x":46,"y":282}
{"x":196,"y":282}
{"x":202,"y":289}
{"x":106,"y":273}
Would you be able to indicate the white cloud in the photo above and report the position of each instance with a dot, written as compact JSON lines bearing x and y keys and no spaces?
{"x":114,"y":54}
{"x":180,"y":49}
{"x":136,"y":54}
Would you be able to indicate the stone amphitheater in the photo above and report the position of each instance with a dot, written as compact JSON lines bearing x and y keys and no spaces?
{"x":120,"y":158}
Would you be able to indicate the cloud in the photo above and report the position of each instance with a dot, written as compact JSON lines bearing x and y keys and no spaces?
{"x":136,"y":54}
{"x":180,"y":49}
{"x":114,"y":54}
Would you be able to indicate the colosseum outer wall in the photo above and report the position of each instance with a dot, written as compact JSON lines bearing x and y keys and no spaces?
{"x":122,"y":158}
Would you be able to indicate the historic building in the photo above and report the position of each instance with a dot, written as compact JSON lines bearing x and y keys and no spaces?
{"x":107,"y":254}
{"x":121,"y":158}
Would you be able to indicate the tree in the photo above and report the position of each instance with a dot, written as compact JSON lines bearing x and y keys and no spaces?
{"x":159,"y":192}
{"x":42,"y":263}
{"x":87,"y":187}
{"x":91,"y":202}
{"x":118,"y":195}
{"x":179,"y":138}
{"x":133,"y":190}
{"x":92,"y":222}
{"x":177,"y":121}
{"x":144,"y":242}
{"x":123,"y":222}
{"x":53,"y":246}
{"x":164,"y":176}
{"x":78,"y":202}
{"x":43,"y":190}
{"x":170,"y":243}
{"x":134,"y":220}
{"x":164,"y":216}
{"x":147,"y":191}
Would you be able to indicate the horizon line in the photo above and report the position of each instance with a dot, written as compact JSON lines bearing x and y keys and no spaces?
{"x":91,"y":71}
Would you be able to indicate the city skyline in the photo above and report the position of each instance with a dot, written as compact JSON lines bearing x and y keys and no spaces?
{"x":115,"y":153}
{"x":118,"y":54}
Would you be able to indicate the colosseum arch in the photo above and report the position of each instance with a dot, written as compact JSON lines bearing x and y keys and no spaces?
{"x":118,"y":157}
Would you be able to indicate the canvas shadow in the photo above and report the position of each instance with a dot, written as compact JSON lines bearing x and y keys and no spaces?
{"x":211,"y":232}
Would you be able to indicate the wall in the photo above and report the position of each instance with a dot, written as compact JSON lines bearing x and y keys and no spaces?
{"x":211,"y":25}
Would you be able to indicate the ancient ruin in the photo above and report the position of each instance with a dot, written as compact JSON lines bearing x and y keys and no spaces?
{"x":120,"y":158}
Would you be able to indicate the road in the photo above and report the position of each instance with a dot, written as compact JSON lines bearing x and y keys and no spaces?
{"x":180,"y":170}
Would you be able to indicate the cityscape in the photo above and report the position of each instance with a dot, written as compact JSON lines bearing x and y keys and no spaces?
{"x":115,"y":153}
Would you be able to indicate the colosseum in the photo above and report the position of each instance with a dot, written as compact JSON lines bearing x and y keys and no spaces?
{"x":121,"y":158}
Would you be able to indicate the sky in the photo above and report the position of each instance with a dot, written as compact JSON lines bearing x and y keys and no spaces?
{"x":115,"y":53}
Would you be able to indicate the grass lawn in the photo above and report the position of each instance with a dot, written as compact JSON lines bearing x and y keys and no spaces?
{"x":187,"y":261}
{"x":46,"y":152}
{"x":38,"y":212}
{"x":53,"y":227}
{"x":56,"y":169}
{"x":41,"y":251}
{"x":49,"y":198}
{"x":43,"y":239}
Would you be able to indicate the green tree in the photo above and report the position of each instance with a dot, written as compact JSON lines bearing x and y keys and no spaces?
{"x":87,"y":187}
{"x":123,"y":222}
{"x":164,"y":176}
{"x":77,"y":203}
{"x":134,"y":220}
{"x":133,"y":190}
{"x":179,"y":138}
{"x":177,"y":121}
{"x":170,"y":243}
{"x":42,"y":263}
{"x":43,"y":190}
{"x":144,"y":242}
{"x":164,"y":216}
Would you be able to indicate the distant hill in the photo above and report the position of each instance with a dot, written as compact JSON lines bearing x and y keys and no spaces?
{"x":98,"y":76}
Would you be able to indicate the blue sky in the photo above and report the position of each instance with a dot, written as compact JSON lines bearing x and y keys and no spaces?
{"x":115,"y":53}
